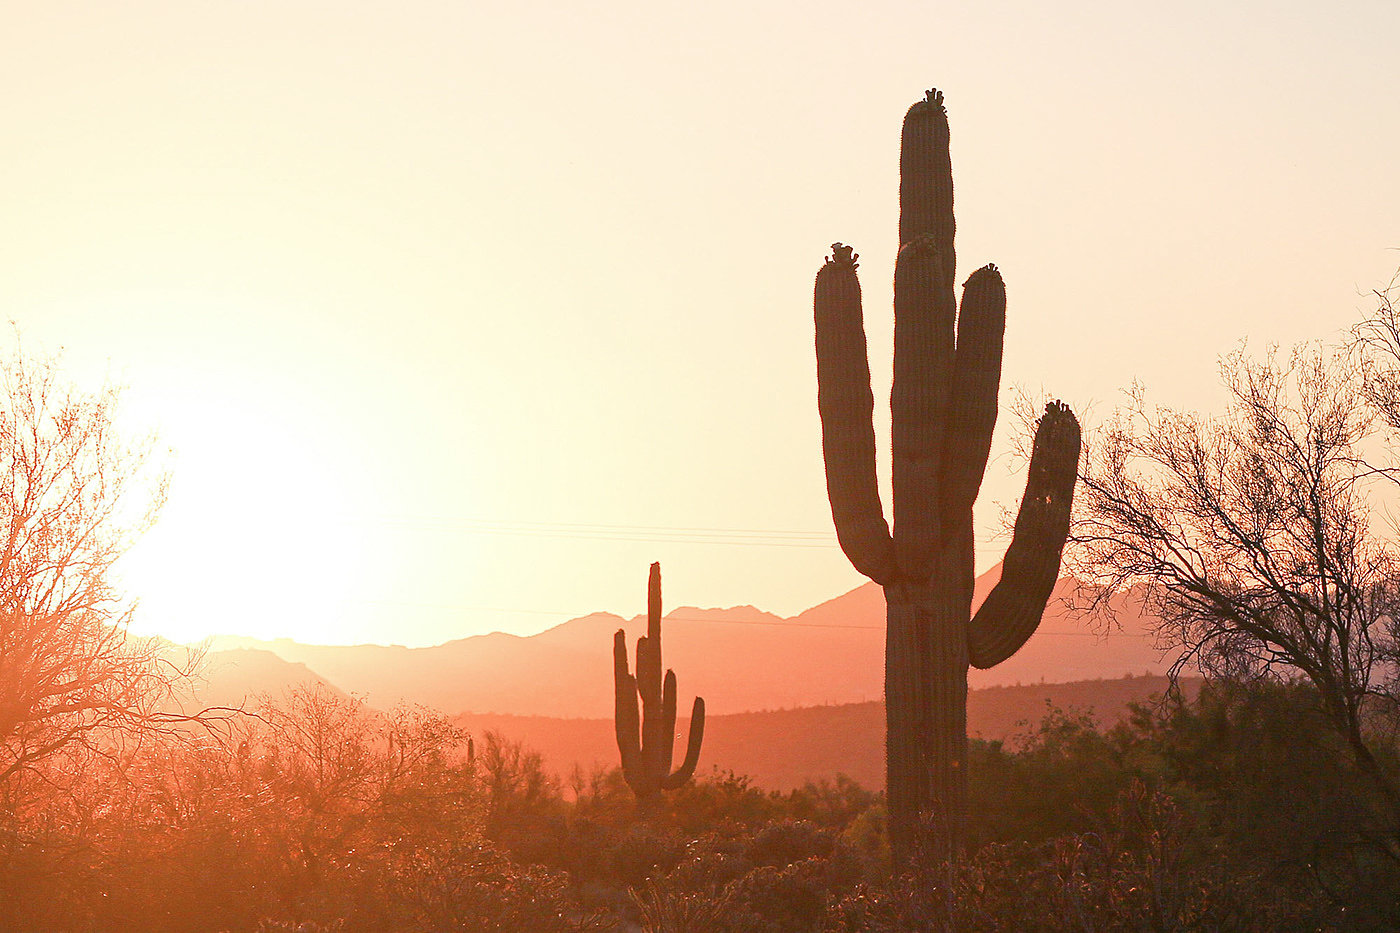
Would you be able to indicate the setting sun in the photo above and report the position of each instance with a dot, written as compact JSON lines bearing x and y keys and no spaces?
{"x":263,"y":543}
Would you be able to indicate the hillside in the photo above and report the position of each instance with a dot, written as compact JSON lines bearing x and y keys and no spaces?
{"x":783,"y":748}
{"x":236,"y":677}
{"x":830,"y":654}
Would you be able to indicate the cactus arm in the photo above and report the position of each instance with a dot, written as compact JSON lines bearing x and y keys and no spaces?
{"x":847,"y":405}
{"x":972,"y":412}
{"x":926,"y":180}
{"x":666,"y":752}
{"x":924,"y":312}
{"x":692,"y":748}
{"x":626,"y":717}
{"x":1012,"y":610}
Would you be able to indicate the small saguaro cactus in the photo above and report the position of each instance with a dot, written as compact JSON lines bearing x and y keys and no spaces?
{"x":943,"y":407}
{"x":647,"y":741}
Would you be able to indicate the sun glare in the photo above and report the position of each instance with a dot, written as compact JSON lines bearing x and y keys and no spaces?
{"x":253,"y":539}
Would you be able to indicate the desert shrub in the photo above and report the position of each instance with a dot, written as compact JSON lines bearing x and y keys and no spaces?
{"x":790,"y":841}
{"x":524,"y":809}
{"x":787,"y":899}
{"x":1058,"y":778}
{"x":1235,"y":811}
{"x":661,"y":910}
{"x":709,"y":864}
{"x":47,"y":876}
{"x":724,"y":802}
{"x":293,"y":817}
{"x":868,"y":835}
{"x":473,"y":888}
{"x":1262,"y":771}
{"x":602,"y":795}
{"x":829,"y":803}
{"x":1133,"y":875}
{"x":766,"y":899}
{"x":778,"y":879}
{"x":642,"y":851}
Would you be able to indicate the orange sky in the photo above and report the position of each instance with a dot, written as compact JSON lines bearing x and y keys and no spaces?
{"x":446,"y":308}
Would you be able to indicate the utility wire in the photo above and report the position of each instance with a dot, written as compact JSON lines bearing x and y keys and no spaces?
{"x":750,"y":537}
{"x":786,"y":623}
{"x":647,"y":533}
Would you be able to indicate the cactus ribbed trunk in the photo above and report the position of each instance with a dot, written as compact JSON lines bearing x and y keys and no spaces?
{"x":925,"y":718}
{"x":943,"y":408}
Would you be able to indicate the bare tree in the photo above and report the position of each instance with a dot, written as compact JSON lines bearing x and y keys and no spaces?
{"x":342,"y":777}
{"x":73,"y":497}
{"x":1376,"y":345}
{"x":1254,"y":536}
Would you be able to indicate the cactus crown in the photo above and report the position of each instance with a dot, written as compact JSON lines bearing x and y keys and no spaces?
{"x":843,"y":255}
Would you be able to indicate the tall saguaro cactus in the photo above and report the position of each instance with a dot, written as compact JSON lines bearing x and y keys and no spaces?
{"x":943,"y":406}
{"x":646,"y":741}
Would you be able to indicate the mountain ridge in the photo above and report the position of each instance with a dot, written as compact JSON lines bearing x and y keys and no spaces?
{"x":740,"y":659}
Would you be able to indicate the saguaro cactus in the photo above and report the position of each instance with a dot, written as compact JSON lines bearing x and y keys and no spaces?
{"x":947,"y":368}
{"x":646,"y":741}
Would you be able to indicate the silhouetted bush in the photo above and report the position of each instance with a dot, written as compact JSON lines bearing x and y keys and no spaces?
{"x":723,"y":802}
{"x":306,"y":926}
{"x":787,"y":899}
{"x":783,"y":843}
{"x":830,"y":803}
{"x":472,"y":888}
{"x":1058,"y":778}
{"x":1277,"y":798}
{"x":1231,"y":812}
{"x":643,"y":851}
{"x":710,"y":863}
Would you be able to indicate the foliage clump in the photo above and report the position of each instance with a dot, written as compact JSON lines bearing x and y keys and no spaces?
{"x":1233,"y":811}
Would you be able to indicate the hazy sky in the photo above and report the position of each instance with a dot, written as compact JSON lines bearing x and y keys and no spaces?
{"x":456,"y":315}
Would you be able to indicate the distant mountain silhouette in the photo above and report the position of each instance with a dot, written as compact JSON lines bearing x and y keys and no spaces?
{"x":781,"y":749}
{"x":238,"y":677}
{"x":739,"y":659}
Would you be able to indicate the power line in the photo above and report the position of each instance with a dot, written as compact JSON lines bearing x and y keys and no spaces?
{"x":750,"y":537}
{"x":661,"y":528}
{"x":785,"y":623}
{"x":569,"y":616}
